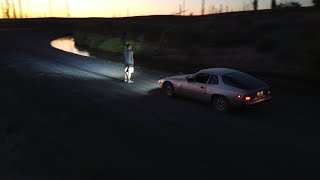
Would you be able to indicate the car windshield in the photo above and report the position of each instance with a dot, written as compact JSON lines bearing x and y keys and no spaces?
{"x":242,"y":81}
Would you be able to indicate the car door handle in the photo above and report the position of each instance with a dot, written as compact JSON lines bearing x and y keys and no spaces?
{"x":202,"y":87}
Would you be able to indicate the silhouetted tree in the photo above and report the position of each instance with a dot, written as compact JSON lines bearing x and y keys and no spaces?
{"x":273,"y":4}
{"x":255,"y":5}
{"x":212,"y":9}
{"x":203,"y":7}
{"x":6,"y":9}
{"x":2,"y":9}
{"x":68,"y":9}
{"x":20,"y":9}
{"x":221,"y":8}
{"x":184,"y":7}
{"x":14,"y":9}
{"x":51,"y":7}
{"x":29,"y":7}
{"x":316,"y":3}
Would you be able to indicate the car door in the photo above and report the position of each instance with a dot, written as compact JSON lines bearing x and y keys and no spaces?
{"x":212,"y":87}
{"x":196,"y":86}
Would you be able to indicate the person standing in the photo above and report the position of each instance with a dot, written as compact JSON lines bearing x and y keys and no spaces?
{"x":129,"y":63}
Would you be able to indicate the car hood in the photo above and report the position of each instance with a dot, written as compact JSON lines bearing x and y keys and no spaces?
{"x":179,"y":77}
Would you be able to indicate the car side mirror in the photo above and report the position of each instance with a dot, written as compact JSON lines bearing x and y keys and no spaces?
{"x":189,"y":80}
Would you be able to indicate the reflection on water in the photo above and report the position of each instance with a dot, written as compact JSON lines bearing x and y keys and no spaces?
{"x":68,"y":44}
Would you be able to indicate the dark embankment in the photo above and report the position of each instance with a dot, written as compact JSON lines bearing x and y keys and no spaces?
{"x":280,"y":43}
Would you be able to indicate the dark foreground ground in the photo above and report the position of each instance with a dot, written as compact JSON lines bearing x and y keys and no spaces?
{"x":63,"y":117}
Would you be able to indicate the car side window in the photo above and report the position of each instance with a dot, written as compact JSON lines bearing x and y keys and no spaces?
{"x":201,"y":78}
{"x":214,"y":80}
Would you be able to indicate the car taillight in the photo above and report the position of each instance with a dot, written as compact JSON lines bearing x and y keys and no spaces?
{"x":248,"y":98}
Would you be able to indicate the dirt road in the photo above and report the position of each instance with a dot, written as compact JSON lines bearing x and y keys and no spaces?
{"x":64,"y":116}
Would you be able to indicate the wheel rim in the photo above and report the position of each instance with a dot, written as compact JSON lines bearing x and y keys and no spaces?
{"x":220,"y":104}
{"x":169,"y":89}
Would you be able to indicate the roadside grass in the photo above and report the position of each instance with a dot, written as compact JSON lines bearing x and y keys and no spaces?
{"x":115,"y":45}
{"x":101,"y":42}
{"x":111,"y":45}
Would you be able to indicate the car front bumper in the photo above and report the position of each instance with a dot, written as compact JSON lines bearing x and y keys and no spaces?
{"x":160,"y":82}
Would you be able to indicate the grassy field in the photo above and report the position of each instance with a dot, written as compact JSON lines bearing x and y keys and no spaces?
{"x":276,"y":43}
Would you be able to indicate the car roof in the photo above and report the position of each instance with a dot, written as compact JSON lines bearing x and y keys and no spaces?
{"x":218,"y":71}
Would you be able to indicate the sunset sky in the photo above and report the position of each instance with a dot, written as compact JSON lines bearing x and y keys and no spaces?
{"x":120,"y":8}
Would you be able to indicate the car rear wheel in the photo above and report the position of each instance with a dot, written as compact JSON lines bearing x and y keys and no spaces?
{"x":169,"y":89}
{"x":220,"y":103}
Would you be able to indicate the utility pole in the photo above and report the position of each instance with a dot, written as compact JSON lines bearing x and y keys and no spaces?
{"x":203,"y":7}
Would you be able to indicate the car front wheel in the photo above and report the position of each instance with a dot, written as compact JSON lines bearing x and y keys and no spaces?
{"x":169,"y":89}
{"x":220,"y":104}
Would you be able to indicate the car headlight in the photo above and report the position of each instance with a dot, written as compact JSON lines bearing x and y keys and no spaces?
{"x":160,"y":82}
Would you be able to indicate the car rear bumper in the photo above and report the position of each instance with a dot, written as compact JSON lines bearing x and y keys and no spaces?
{"x":257,"y":101}
{"x":238,"y":103}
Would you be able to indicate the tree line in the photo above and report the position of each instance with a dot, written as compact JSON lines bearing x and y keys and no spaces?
{"x":9,"y":9}
{"x":15,"y":8}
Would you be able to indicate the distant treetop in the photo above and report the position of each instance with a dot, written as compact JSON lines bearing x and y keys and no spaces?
{"x":289,"y":5}
{"x":316,"y":3}
{"x":273,"y":4}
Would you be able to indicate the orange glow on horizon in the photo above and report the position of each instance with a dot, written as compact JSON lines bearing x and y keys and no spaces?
{"x":85,"y":8}
{"x":120,"y":8}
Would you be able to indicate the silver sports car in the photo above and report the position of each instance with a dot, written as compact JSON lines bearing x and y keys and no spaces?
{"x":223,"y":88}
